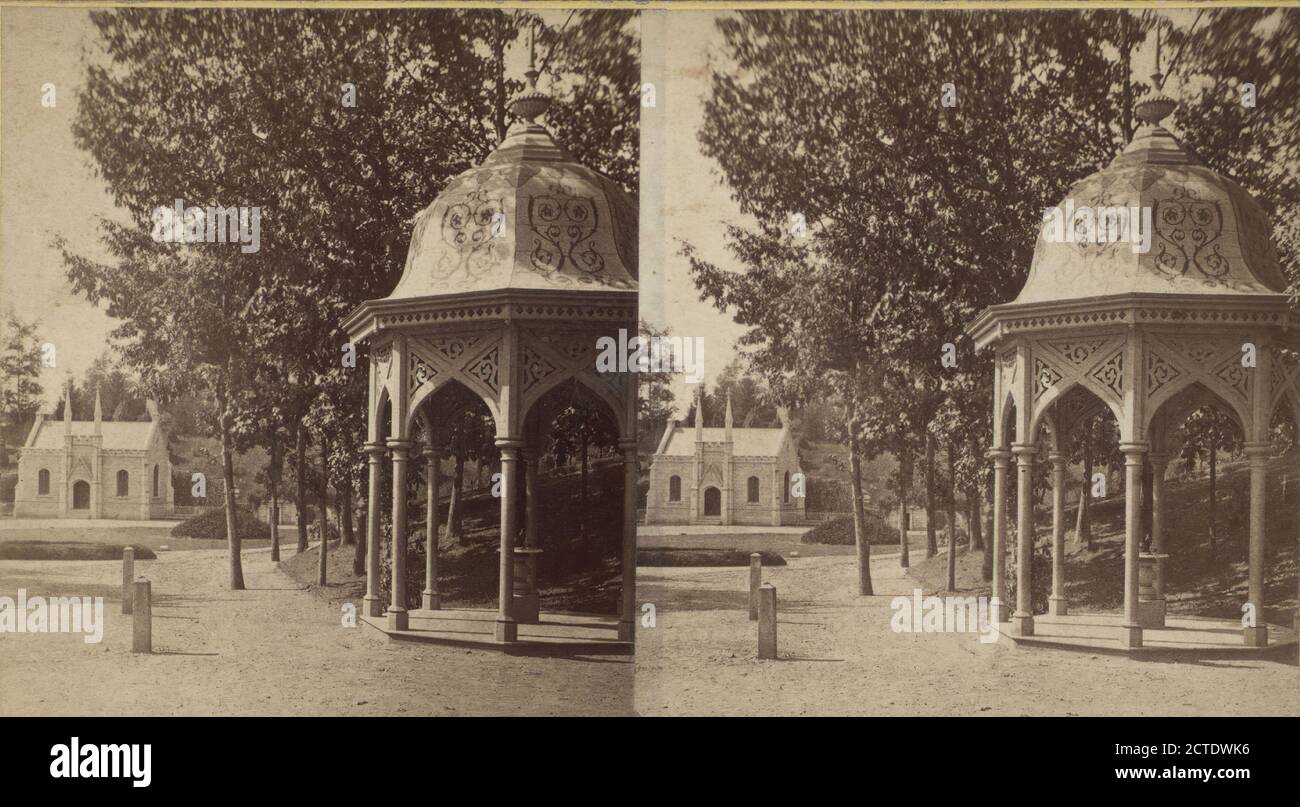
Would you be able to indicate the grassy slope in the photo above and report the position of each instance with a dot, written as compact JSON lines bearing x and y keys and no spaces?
{"x":1196,"y":582}
{"x":573,"y":574}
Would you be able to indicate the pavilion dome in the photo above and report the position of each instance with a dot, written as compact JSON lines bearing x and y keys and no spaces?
{"x":528,"y":218}
{"x":1208,"y":235}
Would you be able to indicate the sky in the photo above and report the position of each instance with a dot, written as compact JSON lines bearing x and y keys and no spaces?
{"x":47,"y":186}
{"x":682,"y":196}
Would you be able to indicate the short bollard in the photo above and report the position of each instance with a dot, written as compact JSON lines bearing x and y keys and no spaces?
{"x":142,"y":629}
{"x":755,"y":580}
{"x":767,"y":621}
{"x":128,"y":577}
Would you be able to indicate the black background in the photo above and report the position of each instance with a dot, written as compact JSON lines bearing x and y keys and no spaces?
{"x":853,"y":761}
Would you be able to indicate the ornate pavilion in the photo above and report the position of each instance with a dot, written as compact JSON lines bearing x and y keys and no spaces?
{"x":514,"y":272}
{"x":1201,"y":318}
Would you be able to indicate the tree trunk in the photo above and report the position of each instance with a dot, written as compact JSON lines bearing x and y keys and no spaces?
{"x":1144,"y":535}
{"x":931,"y":533}
{"x":1083,"y":527}
{"x":499,"y":120}
{"x":976,"y":518}
{"x":323,"y":519}
{"x":455,"y":509}
{"x":986,"y":563}
{"x":359,"y":556}
{"x":582,"y":510}
{"x":273,"y":475}
{"x":345,"y":513}
{"x":904,"y":521}
{"x":228,"y":477}
{"x":300,"y":469}
{"x":952,"y":518}
{"x":859,"y":517}
{"x":1214,"y":478}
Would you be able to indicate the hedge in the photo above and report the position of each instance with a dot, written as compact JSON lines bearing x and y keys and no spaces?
{"x":211,"y":526}
{"x":839,"y":531}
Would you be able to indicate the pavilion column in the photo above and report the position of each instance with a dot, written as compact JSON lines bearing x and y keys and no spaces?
{"x":1134,"y":460}
{"x":1159,"y":463}
{"x":1023,"y":619}
{"x":433,"y":470}
{"x":1257,"y":453}
{"x":1057,"y":605}
{"x":530,"y":499}
{"x":398,"y":619}
{"x":372,"y":605}
{"x":631,"y":476}
{"x":1001,"y":462}
{"x":507,"y":629}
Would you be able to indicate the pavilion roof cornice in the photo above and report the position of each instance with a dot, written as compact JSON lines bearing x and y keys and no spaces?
{"x":417,"y":313}
{"x":1001,"y":321}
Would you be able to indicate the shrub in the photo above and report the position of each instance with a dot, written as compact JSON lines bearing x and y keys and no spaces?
{"x":8,"y":482}
{"x":839,"y":532}
{"x":414,"y":566}
{"x":1042,"y":579}
{"x":313,"y":530}
{"x":703,"y":557}
{"x":211,"y":526}
{"x":828,"y":496}
{"x":69,"y":550}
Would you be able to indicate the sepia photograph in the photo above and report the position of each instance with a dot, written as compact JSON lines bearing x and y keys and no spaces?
{"x":887,"y":360}
{"x":992,"y":320}
{"x":302,"y":317}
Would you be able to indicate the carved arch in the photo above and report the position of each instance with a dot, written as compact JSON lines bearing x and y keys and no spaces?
{"x":445,"y":383}
{"x":1064,"y":393}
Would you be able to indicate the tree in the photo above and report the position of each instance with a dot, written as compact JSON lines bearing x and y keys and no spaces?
{"x":854,"y":140}
{"x":578,"y":428}
{"x":250,"y":110}
{"x":749,"y":396}
{"x":472,"y":439}
{"x":805,"y":337}
{"x":1205,"y":433}
{"x":181,"y":326}
{"x":1095,"y":442}
{"x":1257,"y":143}
{"x":655,"y":401}
{"x":20,"y":369}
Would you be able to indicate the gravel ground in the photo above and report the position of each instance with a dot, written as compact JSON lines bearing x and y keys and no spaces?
{"x":838,"y":656}
{"x":272,"y":649}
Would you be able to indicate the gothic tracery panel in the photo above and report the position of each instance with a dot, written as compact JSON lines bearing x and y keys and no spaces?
{"x":1045,"y":377}
{"x":1110,"y":374}
{"x":536,"y":368}
{"x":421,"y":372}
{"x":453,"y":347}
{"x":1235,"y":376}
{"x":487,"y":369}
{"x":1160,"y":372}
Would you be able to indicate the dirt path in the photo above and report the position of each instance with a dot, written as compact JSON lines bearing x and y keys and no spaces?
{"x":839,"y":656}
{"x":272,"y":649}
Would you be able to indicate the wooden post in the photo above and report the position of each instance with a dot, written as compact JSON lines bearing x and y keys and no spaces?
{"x":767,"y":621}
{"x":141,"y":628}
{"x":755,"y":580}
{"x":128,"y":577}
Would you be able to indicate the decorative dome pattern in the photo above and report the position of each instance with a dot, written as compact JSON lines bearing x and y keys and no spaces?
{"x":1208,"y":235}
{"x":529,"y":217}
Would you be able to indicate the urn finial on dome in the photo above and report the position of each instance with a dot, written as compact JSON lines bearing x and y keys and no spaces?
{"x":1156,"y":106}
{"x":531,"y":103}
